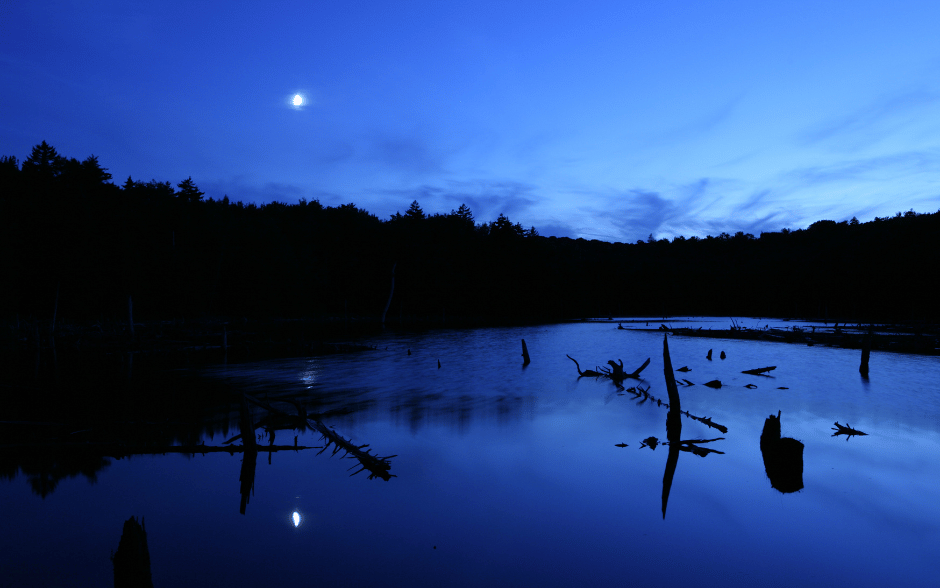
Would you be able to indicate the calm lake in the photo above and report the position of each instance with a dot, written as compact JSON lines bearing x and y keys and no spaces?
{"x":512,"y":475}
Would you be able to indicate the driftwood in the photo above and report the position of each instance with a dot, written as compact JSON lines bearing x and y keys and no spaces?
{"x":615,"y":372}
{"x":845,"y":430}
{"x":636,"y":374}
{"x":585,"y":373}
{"x":759,"y":371}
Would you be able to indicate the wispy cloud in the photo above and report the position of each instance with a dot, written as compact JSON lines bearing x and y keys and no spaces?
{"x":409,"y":154}
{"x":874,"y":122}
{"x":891,"y":166}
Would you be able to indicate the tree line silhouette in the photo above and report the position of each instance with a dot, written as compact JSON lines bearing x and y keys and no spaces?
{"x":79,"y":245}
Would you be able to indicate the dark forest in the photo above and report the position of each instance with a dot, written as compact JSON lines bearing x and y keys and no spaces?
{"x":78,"y":245}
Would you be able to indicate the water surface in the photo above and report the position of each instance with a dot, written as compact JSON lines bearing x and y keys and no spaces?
{"x":510,"y":475}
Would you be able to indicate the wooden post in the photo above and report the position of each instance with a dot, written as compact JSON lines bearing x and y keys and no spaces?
{"x":866,"y":352}
{"x":670,"y":376}
{"x":525,"y":354}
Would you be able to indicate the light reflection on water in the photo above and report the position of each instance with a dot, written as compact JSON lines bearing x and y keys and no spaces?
{"x":510,"y":475}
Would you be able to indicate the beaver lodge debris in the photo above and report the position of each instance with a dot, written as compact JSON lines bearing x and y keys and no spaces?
{"x":845,"y":430}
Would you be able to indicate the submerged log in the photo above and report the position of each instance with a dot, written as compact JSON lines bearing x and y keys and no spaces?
{"x":759,"y":371}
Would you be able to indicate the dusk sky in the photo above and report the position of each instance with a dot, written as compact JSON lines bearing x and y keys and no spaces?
{"x":603,"y":120}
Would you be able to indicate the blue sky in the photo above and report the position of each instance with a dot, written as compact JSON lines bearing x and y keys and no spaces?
{"x":606,"y":120}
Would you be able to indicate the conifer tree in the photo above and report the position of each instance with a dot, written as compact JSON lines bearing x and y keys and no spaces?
{"x":188,"y":191}
{"x":44,"y":162}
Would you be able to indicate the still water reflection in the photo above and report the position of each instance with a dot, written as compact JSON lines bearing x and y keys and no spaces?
{"x":513,"y":475}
